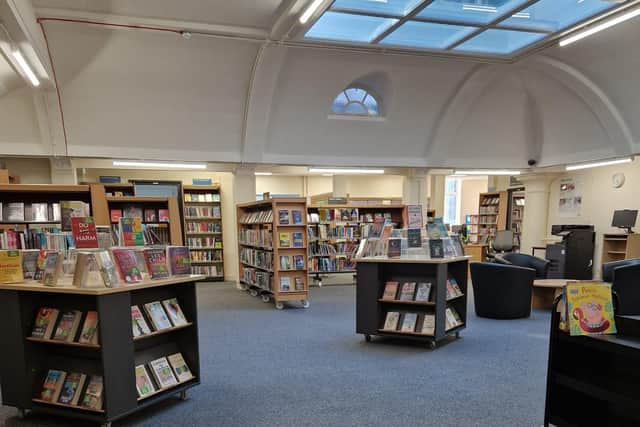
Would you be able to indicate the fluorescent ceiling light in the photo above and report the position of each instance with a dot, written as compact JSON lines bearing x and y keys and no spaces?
{"x":263,"y":173}
{"x":598,"y":164}
{"x":25,"y":68}
{"x":487,"y":172}
{"x":479,"y":8}
{"x":347,"y":171}
{"x":159,"y":165}
{"x":310,"y":11}
{"x":603,"y":26}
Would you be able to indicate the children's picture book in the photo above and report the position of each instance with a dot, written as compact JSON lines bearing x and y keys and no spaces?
{"x":174,"y":311}
{"x":87,"y":273}
{"x":390,"y":291}
{"x":283,"y":217}
{"x":157,"y":316}
{"x":414,"y":238}
{"x":156,"y":262}
{"x":414,"y":216}
{"x":72,"y":388}
{"x":163,"y":215}
{"x":407,"y":291}
{"x":41,"y":263}
{"x":29,"y":263}
{"x":108,"y":270}
{"x":180,"y":368}
{"x":409,"y":322}
{"x":285,"y":262}
{"x":11,"y":267}
{"x":126,"y":262}
{"x":93,"y":395}
{"x":131,"y":231}
{"x":52,"y":386}
{"x":45,"y":323}
{"x":391,"y":321}
{"x":179,"y":260}
{"x":68,"y":326}
{"x":455,"y":286}
{"x":298,"y":262}
{"x":394,"y":248}
{"x":590,"y":308}
{"x":299,"y":283}
{"x":70,"y":209}
{"x":138,"y":323}
{"x":447,"y":246}
{"x":298,"y":239}
{"x":423,"y":291}
{"x":163,"y":373}
{"x":143,"y":382}
{"x":428,"y":324}
{"x":435,"y":248}
{"x":115,"y":215}
{"x":285,"y":284}
{"x":150,"y":215}
{"x":83,"y":230}
{"x":52,"y":268}
{"x":297,"y":217}
{"x":285,"y":240}
{"x":437,"y":229}
{"x":89,"y":334}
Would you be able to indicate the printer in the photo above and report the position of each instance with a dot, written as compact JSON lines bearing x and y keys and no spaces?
{"x":572,"y":258}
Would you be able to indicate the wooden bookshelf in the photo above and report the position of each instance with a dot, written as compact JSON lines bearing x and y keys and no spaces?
{"x":267,"y":279}
{"x":492,"y":214}
{"x":617,"y":247}
{"x":516,"y":215}
{"x":202,"y":206}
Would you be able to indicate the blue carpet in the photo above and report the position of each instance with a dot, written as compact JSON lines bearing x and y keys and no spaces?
{"x":263,"y":367}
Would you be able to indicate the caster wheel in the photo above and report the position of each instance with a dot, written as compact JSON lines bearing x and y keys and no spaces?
{"x":432,"y":345}
{"x":183,"y":395}
{"x":22,"y":414}
{"x":265,"y":298}
{"x":305,"y":303}
{"x":367,"y":338}
{"x":280,"y":305}
{"x":253,"y":293}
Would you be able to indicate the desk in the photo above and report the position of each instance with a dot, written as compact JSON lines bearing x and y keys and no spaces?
{"x":545,"y":291}
{"x":477,"y":251}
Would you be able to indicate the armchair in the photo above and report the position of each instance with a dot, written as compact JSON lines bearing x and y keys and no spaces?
{"x":502,"y":291}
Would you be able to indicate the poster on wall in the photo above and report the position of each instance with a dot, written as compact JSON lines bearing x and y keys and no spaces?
{"x":570,"y":203}
{"x":414,"y":214}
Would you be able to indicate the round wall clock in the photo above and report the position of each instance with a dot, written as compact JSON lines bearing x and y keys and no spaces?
{"x":617,"y":180}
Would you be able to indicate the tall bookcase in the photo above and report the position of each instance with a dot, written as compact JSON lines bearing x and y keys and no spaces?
{"x":516,"y":215}
{"x":203,"y":229}
{"x":270,"y":231}
{"x":492,"y":214}
{"x":334,"y":238}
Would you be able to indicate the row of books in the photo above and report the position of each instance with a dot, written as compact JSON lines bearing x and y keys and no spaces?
{"x":257,"y":258}
{"x":67,"y":388}
{"x":161,"y":315}
{"x":396,"y":321}
{"x":488,"y":210}
{"x":202,"y":211}
{"x":286,"y":284}
{"x":204,"y":242}
{"x":257,"y":217}
{"x":206,"y":255}
{"x":57,"y":212}
{"x":488,"y":219}
{"x":347,"y":215}
{"x":291,"y":240}
{"x":256,"y":237}
{"x":294,"y":219}
{"x":41,"y":238}
{"x":294,"y":262}
{"x":255,"y":277}
{"x":203,"y":227}
{"x":167,"y":372}
{"x":52,"y":324}
{"x":202,"y":197}
{"x":152,"y":234}
{"x":492,"y":200}
{"x":149,"y":214}
{"x":409,"y":291}
{"x":331,"y":265}
{"x":322,"y":249}
{"x":453,"y":289}
{"x":446,"y":248}
{"x":207,"y":270}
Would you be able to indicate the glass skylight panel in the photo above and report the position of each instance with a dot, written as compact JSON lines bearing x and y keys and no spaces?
{"x":555,"y":15}
{"x":469,"y":11}
{"x":499,"y":42}
{"x":348,"y":27}
{"x":426,"y":35}
{"x":388,"y":7}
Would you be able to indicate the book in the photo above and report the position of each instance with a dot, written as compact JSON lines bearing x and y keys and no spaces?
{"x":157,"y":315}
{"x":93,"y":395}
{"x":435,"y":248}
{"x":72,"y":388}
{"x":180,"y":368}
{"x":179,"y":260}
{"x":138,"y":323}
{"x":45,"y":323}
{"x":391,"y":321}
{"x":423,"y":291}
{"x":52,"y":385}
{"x":455,"y":286}
{"x":298,"y":239}
{"x":451,"y":292}
{"x":299,"y":283}
{"x":86,"y":264}
{"x":428,"y":324}
{"x":144,"y":386}
{"x":163,"y":373}
{"x":437,"y":229}
{"x":409,"y":322}
{"x":14,"y":212}
{"x":150,"y":215}
{"x":447,"y":246}
{"x":115,"y":215}
{"x":52,"y":268}
{"x":126,"y":262}
{"x":83,"y":230}
{"x":131,"y":231}
{"x":29,"y":263}
{"x":132,"y":211}
{"x":70,"y":209}
{"x":107,"y":268}
{"x":298,"y":262}
{"x":89,"y":334}
{"x":414,"y":216}
{"x":39,"y":212}
{"x":390,"y":291}
{"x":407,"y":291}
{"x":156,"y":262}
{"x":11,"y":267}
{"x":394,"y":248}
{"x":163,"y":215}
{"x":68,"y":326}
{"x":451,"y":320}
{"x":297,"y":217}
{"x":174,"y":311}
{"x":285,"y":284}
{"x":285,"y":262}
{"x":590,"y":308}
{"x":283,"y":217}
{"x":285,"y":240}
{"x":414,"y":238}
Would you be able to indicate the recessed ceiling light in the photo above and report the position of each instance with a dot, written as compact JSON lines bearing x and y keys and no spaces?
{"x":263,"y":173}
{"x":598,"y":164}
{"x":159,"y":165}
{"x":505,"y":172}
{"x":338,"y":171}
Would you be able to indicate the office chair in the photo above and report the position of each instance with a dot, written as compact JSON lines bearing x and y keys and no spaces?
{"x":501,"y":243}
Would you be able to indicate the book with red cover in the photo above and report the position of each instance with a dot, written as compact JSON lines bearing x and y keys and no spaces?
{"x":127,"y":264}
{"x":156,"y":261}
{"x":116,"y":214}
{"x":163,"y":215}
{"x":83,"y":230}
{"x":179,"y":260}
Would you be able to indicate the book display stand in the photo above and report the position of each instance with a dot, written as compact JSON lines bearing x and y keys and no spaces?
{"x":114,"y":356}
{"x":272,"y":248}
{"x":203,"y":229}
{"x":373,"y":304}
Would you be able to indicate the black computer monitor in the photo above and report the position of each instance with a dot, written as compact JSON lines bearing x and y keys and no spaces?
{"x":625,"y":219}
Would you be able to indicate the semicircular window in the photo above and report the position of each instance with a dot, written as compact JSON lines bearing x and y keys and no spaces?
{"x":356,"y":101}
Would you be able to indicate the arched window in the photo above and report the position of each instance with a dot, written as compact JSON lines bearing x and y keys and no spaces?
{"x":356,"y":101}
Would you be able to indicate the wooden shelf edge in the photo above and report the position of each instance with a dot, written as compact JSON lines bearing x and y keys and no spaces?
{"x":65,"y":343}
{"x":162,"y":332}
{"x":64,"y":405}
{"x":168,"y":389}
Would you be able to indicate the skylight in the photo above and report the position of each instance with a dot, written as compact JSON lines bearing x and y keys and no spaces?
{"x":492,"y":28}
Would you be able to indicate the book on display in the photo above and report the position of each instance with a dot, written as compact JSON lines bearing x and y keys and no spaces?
{"x":93,"y":395}
{"x":174,"y":311}
{"x":163,"y":373}
{"x":11,"y":266}
{"x":52,"y":387}
{"x":391,"y":321}
{"x":407,"y":291}
{"x":144,"y":386}
{"x":423,"y":291}
{"x":68,"y":326}
{"x":390,"y":291}
{"x":409,"y":322}
{"x":138,"y":322}
{"x":158,"y":316}
{"x":45,"y":323}
{"x":72,"y":388}
{"x":89,"y":334}
{"x":180,"y":367}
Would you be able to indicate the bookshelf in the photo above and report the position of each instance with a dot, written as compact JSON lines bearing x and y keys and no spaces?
{"x":270,"y":232}
{"x":202,"y":213}
{"x":618,"y":247}
{"x":492,"y":214}
{"x":372,"y":308}
{"x":335,"y":232}
{"x":22,"y":370}
{"x":516,"y":215}
{"x":471,"y":221}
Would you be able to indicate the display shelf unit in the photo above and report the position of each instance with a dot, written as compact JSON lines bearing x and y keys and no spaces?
{"x":516,"y":215}
{"x":334,"y":239}
{"x":266,"y":278}
{"x":471,"y":222}
{"x":492,"y":214}
{"x":22,"y":370}
{"x":617,"y":247}
{"x":202,"y":207}
{"x":371,"y":309}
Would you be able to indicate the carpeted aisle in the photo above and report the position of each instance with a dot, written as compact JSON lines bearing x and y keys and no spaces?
{"x":263,"y":367}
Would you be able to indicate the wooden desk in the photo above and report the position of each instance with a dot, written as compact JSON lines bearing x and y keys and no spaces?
{"x":545,"y":291}
{"x":477,"y":251}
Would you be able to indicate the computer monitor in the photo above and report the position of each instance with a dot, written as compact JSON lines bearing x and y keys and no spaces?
{"x":625,"y":219}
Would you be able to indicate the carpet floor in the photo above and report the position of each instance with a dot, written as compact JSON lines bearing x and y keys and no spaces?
{"x":263,"y":367}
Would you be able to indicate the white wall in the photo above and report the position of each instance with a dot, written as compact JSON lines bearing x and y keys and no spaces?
{"x":470,"y":195}
{"x":30,"y":170}
{"x":319,"y":185}
{"x":280,"y":185}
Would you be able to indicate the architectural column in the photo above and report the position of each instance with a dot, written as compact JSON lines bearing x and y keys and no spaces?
{"x":436,"y":193}
{"x":415,"y":191}
{"x":536,"y":211}
{"x":62,"y":171}
{"x":244,"y":184}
